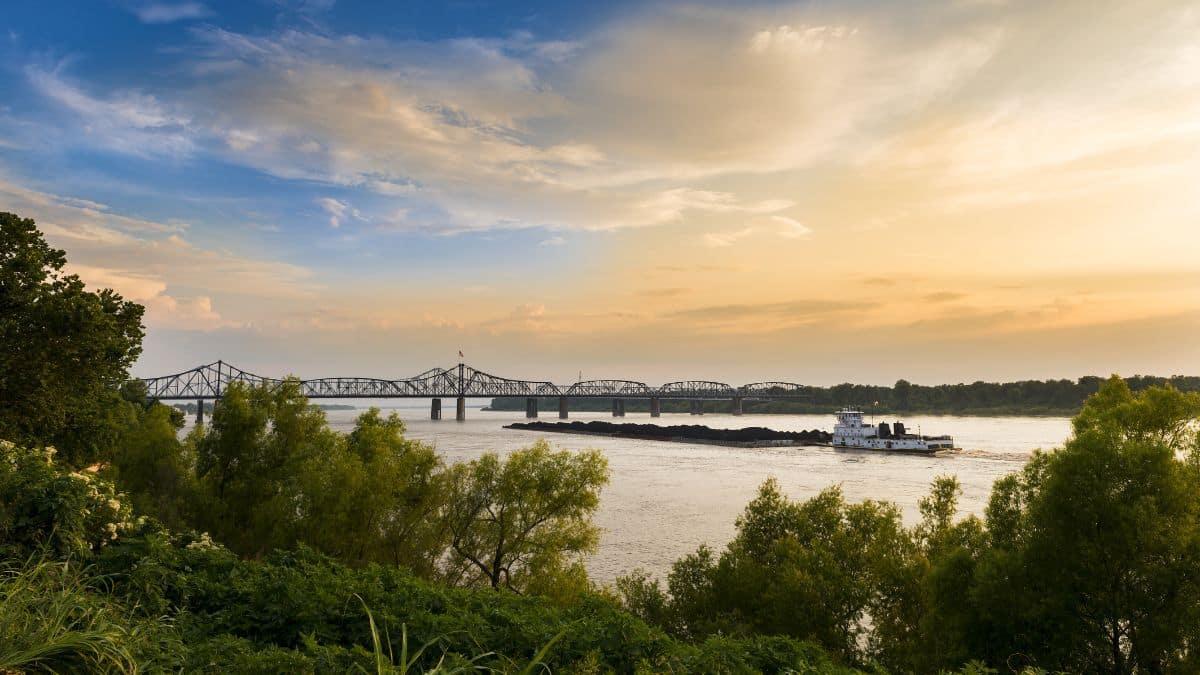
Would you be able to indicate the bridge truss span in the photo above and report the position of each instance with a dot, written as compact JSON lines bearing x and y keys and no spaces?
{"x":609,"y":389}
{"x":211,"y":381}
{"x":774,"y":390}
{"x":696,"y":390}
{"x":207,"y":381}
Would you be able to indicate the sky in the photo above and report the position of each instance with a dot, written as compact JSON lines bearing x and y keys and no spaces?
{"x":816,"y":192}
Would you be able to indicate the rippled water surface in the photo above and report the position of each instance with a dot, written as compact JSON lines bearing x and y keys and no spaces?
{"x":665,"y":499}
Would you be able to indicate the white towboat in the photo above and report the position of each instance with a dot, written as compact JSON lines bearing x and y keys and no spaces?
{"x":851,"y":432}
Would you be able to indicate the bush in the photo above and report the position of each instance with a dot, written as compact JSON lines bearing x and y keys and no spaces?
{"x":46,"y":510}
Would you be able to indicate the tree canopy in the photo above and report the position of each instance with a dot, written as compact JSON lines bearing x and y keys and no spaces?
{"x":513,"y":523}
{"x":66,"y":349}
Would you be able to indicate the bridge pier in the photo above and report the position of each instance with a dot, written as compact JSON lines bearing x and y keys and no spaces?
{"x":618,"y":407}
{"x":737,"y":405}
{"x":655,"y":407}
{"x":697,"y":408}
{"x":562,"y":407}
{"x":435,"y":409}
{"x":531,"y":407}
{"x":460,"y":409}
{"x":199,"y":411}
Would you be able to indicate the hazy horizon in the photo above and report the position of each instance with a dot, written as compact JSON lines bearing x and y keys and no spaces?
{"x":814,"y":192}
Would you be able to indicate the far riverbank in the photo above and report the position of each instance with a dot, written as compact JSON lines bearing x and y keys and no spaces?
{"x":1026,"y":398}
{"x":549,"y":406}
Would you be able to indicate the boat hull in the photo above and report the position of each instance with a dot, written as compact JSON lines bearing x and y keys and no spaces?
{"x":929,"y":452}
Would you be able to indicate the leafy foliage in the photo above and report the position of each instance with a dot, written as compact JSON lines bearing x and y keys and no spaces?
{"x":47,"y":510}
{"x":66,"y":350}
{"x":517,"y":521}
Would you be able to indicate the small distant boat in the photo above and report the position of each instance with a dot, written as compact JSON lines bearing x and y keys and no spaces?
{"x":851,"y":432}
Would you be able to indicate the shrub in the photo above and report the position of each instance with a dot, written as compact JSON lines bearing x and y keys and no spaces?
{"x":47,"y":510}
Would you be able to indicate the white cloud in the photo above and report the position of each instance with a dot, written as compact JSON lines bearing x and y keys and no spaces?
{"x":128,"y":121}
{"x":789,"y":40}
{"x":785,"y":227}
{"x":728,"y":238}
{"x":792,"y":229}
{"x":339,"y":211}
{"x":553,"y":241}
{"x":163,"y":12}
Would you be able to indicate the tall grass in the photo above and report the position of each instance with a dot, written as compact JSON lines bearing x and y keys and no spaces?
{"x":386,"y":664}
{"x":50,"y":622}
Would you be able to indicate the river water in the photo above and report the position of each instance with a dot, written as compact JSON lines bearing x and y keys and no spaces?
{"x":665,"y":499}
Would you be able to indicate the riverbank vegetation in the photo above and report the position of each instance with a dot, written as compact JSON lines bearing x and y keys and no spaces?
{"x":265,"y":542}
{"x":1029,"y":397}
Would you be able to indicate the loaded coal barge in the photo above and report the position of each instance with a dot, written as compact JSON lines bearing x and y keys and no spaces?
{"x":749,"y":437}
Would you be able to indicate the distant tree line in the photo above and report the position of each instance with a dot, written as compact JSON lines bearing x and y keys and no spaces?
{"x":1030,"y":397}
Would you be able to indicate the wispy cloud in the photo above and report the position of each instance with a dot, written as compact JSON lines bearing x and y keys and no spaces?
{"x":130,"y":122}
{"x":728,"y":238}
{"x":791,"y":228}
{"x":338,"y":211}
{"x":943,"y":296}
{"x":166,"y":12}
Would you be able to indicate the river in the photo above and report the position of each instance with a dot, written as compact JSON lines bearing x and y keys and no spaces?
{"x":665,"y":499}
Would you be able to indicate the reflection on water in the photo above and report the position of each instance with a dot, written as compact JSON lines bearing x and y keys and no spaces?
{"x":665,"y":499}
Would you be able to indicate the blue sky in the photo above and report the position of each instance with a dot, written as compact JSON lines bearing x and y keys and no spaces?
{"x":940,"y":190}
{"x":164,"y":173}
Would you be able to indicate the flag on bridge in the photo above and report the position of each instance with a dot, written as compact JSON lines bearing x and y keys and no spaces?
{"x":460,"y":354}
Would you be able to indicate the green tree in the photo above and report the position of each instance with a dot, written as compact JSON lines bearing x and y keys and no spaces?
{"x":153,"y":466}
{"x":818,"y":569}
{"x":924,"y":627}
{"x":1095,"y":565}
{"x":249,"y":462}
{"x":66,"y":349}
{"x":529,"y":515}
{"x":902,"y":394}
{"x":375,"y":498}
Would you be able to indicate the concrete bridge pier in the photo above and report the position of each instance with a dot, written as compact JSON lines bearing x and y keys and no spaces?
{"x":655,"y":407}
{"x":435,"y":409}
{"x":697,"y":408}
{"x":618,"y":407}
{"x":562,"y":407}
{"x":737,"y":405}
{"x":531,"y":407}
{"x":460,"y":409}
{"x":199,"y":411}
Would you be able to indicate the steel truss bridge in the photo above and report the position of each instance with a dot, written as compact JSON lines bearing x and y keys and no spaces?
{"x":210,"y":381}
